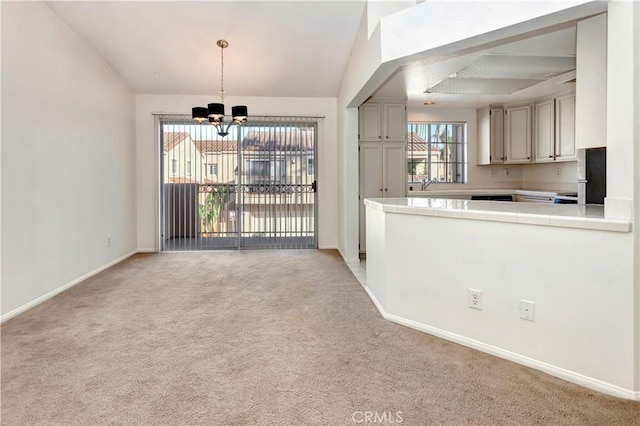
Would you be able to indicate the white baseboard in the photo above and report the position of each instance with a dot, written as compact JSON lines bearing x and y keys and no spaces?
{"x":346,"y":259}
{"x":147,"y":250}
{"x":59,"y":290}
{"x":570,"y":376}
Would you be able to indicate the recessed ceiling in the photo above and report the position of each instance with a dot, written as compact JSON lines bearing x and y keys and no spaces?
{"x":503,"y":74}
{"x":513,"y":72}
{"x":489,"y":86}
{"x":276,"y":48}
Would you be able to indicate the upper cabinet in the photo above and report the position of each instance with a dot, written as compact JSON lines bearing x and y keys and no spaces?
{"x":591,"y":82}
{"x":517,"y":135}
{"x":490,"y":134}
{"x":370,"y":122}
{"x":544,"y":130}
{"x":395,"y":121}
{"x":382,"y":121}
{"x":565,"y":147}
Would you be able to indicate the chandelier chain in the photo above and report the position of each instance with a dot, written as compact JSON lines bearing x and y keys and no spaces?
{"x":222,"y":74}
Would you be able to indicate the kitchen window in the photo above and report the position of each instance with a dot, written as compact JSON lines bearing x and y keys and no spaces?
{"x":436,"y":151}
{"x":213,"y":169}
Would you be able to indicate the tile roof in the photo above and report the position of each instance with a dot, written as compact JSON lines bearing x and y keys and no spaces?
{"x":171,"y":139}
{"x":417,"y":143}
{"x":263,"y":140}
{"x":180,"y":179}
{"x":216,"y":145}
{"x":271,"y":140}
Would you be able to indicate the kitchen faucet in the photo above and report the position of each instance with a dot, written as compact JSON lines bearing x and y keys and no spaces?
{"x":425,"y":184}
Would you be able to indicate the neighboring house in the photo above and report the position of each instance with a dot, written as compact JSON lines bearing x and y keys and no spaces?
{"x":277,"y":170}
{"x":183,"y":162}
{"x":419,"y":155}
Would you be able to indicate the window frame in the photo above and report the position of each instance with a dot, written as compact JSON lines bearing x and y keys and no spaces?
{"x":454,"y":167}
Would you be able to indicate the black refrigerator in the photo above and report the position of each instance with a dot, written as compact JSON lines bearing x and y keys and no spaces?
{"x":593,"y":176}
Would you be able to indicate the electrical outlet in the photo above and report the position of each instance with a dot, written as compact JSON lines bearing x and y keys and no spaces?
{"x":507,"y":172}
{"x":108,"y":240}
{"x":492,"y":172}
{"x":559,"y":172}
{"x":527,"y":310}
{"x":475,"y":298}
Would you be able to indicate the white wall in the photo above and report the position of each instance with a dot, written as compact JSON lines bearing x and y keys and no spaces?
{"x":580,"y":299}
{"x":148,"y":154}
{"x":68,"y":158}
{"x":364,"y":58}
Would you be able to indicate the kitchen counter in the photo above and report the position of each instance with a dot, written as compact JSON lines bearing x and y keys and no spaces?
{"x":484,"y":191}
{"x":559,"y":215}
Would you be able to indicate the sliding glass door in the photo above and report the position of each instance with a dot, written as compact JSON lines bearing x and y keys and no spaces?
{"x":256,"y":188}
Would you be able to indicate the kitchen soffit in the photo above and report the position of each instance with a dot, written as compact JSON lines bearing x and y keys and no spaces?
{"x":503,"y":74}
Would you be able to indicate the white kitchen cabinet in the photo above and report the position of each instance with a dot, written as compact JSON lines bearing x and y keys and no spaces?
{"x":490,"y":135}
{"x":545,"y":131}
{"x":517,"y":137}
{"x":395,"y":121}
{"x":565,"y":147}
{"x":382,"y":175}
{"x":370,"y":123}
{"x":382,"y":121}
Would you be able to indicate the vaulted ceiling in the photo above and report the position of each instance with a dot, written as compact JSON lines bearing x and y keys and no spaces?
{"x":276,"y":48}
{"x":286,"y":48}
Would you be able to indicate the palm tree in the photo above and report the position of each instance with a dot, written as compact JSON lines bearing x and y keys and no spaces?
{"x":210,"y":210}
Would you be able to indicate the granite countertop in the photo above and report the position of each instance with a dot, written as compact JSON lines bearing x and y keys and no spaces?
{"x":562,"y":215}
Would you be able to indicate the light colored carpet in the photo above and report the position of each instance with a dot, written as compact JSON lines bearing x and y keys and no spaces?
{"x":259,"y":338}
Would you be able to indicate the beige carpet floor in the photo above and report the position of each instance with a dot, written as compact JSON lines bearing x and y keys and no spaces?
{"x":259,"y":338}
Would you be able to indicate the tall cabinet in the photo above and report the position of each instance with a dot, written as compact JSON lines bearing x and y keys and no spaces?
{"x":383,"y":159}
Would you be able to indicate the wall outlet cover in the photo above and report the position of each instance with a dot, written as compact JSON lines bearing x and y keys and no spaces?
{"x":474,"y":298}
{"x":527,"y":310}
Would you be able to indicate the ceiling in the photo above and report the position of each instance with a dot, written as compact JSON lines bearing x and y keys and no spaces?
{"x":289,"y":49}
{"x":276,"y":48}
{"x":554,"y":51}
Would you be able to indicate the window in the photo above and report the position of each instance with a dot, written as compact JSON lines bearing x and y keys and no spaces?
{"x":188,"y":167}
{"x":174,"y":166}
{"x":213,"y":169}
{"x":310,"y":166}
{"x":436,"y":151}
{"x":265,"y":170}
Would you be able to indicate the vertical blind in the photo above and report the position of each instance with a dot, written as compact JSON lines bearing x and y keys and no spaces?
{"x":255,"y":188}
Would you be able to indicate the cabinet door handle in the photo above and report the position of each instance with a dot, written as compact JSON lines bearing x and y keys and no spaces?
{"x":551,"y":156}
{"x":387,"y":136}
{"x":528,"y":158}
{"x":385,"y":190}
{"x":380,"y":189}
